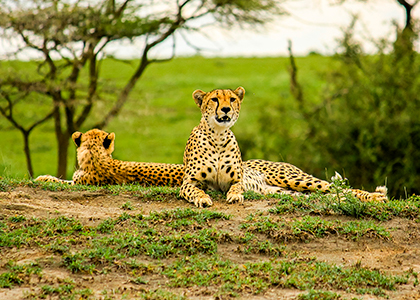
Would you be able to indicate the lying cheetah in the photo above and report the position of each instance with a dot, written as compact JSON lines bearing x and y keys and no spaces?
{"x":97,"y":167}
{"x":212,"y":158}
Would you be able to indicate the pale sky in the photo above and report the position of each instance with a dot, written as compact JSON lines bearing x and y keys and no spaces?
{"x":313,"y":25}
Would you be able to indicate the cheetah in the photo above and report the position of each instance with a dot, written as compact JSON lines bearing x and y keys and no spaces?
{"x":212,"y":158}
{"x":97,"y":167}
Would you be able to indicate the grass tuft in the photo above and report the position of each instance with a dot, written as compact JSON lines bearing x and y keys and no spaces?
{"x":310,"y":226}
{"x":18,"y":274}
{"x":352,"y":207}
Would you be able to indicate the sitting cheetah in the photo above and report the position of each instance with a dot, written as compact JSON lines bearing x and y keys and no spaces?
{"x":97,"y":167}
{"x":212,"y":158}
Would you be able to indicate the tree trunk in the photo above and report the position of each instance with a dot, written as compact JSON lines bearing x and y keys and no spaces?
{"x":63,"y":146}
{"x":27,"y":153}
{"x":62,"y":138}
{"x":408,"y":8}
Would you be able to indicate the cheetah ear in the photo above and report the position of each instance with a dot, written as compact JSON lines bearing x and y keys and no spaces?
{"x":240,"y":92}
{"x":77,"y":138}
{"x":198,"y":96}
{"x":109,"y":141}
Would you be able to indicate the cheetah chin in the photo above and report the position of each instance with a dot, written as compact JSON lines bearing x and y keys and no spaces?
{"x":224,"y":119}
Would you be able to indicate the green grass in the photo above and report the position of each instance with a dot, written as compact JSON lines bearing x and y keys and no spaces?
{"x":312,"y":227}
{"x":162,"y":235}
{"x":160,"y":294}
{"x":327,"y":205}
{"x":319,"y":204}
{"x":232,"y":279}
{"x":319,"y":295}
{"x":158,"y":235}
{"x":66,"y":290}
{"x":180,"y":247}
{"x":18,"y":274}
{"x":155,"y":123}
{"x":134,"y":189}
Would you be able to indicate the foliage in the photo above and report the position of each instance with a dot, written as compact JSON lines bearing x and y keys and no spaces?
{"x":364,"y":122}
{"x":372,"y":115}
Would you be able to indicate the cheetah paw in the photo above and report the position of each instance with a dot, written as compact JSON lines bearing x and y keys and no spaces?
{"x":47,"y":178}
{"x":203,"y":201}
{"x":50,"y":178}
{"x":382,"y":189}
{"x":235,"y":198}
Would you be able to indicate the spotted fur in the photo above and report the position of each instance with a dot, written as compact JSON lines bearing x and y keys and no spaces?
{"x":212,"y":157}
{"x":97,"y":167}
{"x":289,"y":177}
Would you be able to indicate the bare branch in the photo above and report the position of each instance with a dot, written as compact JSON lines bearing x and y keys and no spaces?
{"x":3,"y":111}
{"x":9,"y":116}
{"x":408,"y":7}
{"x":169,"y":58}
{"x":196,"y":48}
{"x":142,"y":66}
{"x":295,"y":87}
{"x":121,"y":9}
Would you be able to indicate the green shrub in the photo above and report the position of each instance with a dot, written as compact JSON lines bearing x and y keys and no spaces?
{"x":363,"y":123}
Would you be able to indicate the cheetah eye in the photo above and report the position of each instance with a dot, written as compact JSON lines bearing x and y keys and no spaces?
{"x":232,"y":99}
{"x":215,"y":99}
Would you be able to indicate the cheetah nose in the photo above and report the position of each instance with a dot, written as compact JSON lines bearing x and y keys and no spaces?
{"x":225,"y":109}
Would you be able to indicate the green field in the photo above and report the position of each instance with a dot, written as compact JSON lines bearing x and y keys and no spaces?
{"x":155,"y":123}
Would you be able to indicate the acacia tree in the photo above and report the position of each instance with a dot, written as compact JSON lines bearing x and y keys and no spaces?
{"x":71,"y":37}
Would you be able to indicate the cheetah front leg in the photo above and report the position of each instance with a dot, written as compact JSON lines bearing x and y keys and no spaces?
{"x":235,"y":193}
{"x":195,"y":195}
{"x":50,"y":178}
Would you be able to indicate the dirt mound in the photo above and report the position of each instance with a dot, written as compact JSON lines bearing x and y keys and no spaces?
{"x":69,"y":245}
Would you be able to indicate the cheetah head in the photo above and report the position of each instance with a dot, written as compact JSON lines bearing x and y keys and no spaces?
{"x":220,"y":108}
{"x":94,"y":141}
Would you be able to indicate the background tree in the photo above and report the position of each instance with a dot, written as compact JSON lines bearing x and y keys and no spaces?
{"x":11,"y":99}
{"x":71,"y":39}
{"x":365,"y":122}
